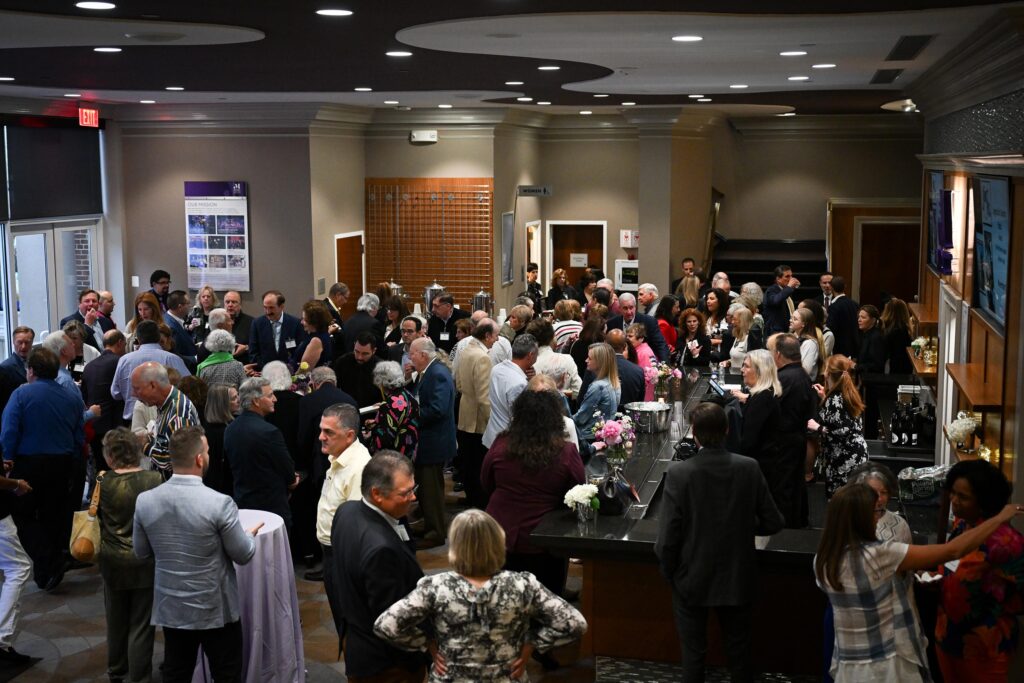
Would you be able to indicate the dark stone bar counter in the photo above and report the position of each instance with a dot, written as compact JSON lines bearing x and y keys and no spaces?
{"x":627,"y":603}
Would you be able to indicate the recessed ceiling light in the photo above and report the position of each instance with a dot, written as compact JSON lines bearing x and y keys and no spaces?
{"x":524,"y":99}
{"x":72,"y":94}
{"x":95,"y":5}
{"x":6,"y":79}
{"x":543,"y":103}
{"x":823,"y":66}
{"x":334,"y":12}
{"x":704,"y":99}
{"x":390,"y":101}
{"x":586,"y":112}
{"x":739,"y":86}
{"x":600,"y":96}
{"x":444,"y":106}
{"x":513,"y":82}
{"x":147,"y":101}
{"x":799,"y":78}
{"x":398,"y":53}
{"x":363,"y":89}
{"x":106,"y":49}
{"x":174,"y":88}
{"x":695,"y":97}
{"x":548,"y":67}
{"x":792,"y":53}
{"x":687,"y":39}
{"x":788,"y":113}
{"x":628,"y":104}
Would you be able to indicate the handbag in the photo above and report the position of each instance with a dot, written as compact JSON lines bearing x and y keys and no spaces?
{"x":85,"y":529}
{"x":615,"y":493}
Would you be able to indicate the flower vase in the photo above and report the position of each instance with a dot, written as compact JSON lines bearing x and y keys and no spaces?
{"x":662,"y":391}
{"x":584,"y":513}
{"x":616,"y":455}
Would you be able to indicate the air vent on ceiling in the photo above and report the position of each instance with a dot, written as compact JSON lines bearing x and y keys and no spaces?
{"x":907,"y":48}
{"x":886,"y":76}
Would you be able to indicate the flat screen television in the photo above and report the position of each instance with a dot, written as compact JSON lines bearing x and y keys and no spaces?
{"x":940,"y":224}
{"x":991,"y":247}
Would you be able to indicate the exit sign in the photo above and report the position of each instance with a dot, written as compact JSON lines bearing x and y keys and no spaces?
{"x":89,"y":117}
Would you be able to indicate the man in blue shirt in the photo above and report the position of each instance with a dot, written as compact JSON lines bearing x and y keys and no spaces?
{"x":42,"y":434}
{"x":148,"y":335}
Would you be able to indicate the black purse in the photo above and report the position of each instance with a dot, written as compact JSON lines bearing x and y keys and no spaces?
{"x":615,"y":493}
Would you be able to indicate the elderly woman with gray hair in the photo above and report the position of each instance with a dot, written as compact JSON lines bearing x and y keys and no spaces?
{"x":395,"y":426}
{"x":220,"y":367}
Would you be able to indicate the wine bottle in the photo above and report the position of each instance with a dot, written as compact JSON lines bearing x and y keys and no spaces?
{"x":907,"y":424}
{"x":894,"y":427}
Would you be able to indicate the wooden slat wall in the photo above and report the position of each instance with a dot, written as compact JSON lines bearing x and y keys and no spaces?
{"x":419,"y":230}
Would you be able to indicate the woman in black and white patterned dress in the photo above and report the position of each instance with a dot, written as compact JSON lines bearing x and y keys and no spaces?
{"x":839,"y":424}
{"x":486,"y":622}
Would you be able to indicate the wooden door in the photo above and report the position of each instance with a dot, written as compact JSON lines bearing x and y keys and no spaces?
{"x":349,"y":254}
{"x":888,"y":261}
{"x":576,"y":238}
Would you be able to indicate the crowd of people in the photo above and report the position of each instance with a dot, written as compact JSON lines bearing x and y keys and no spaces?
{"x":347,"y":426}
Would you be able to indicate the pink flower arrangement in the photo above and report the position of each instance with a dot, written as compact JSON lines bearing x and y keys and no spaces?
{"x":616,"y":434}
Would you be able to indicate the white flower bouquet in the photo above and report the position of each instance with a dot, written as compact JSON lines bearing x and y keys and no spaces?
{"x":582,"y":494}
{"x":961,"y":429}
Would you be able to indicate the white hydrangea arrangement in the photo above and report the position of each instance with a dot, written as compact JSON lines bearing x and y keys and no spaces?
{"x":582,"y":494}
{"x":961,"y":429}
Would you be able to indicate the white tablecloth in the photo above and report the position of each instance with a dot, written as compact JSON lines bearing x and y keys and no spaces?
{"x":269,"y":607}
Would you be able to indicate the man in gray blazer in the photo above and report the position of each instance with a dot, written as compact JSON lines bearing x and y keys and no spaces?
{"x":714,"y":504}
{"x":194,"y":535}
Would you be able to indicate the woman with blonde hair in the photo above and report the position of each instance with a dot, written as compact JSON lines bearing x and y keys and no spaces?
{"x":206,"y":301}
{"x":602,"y":397}
{"x":840,"y":423}
{"x":812,"y":346}
{"x":478,"y":622}
{"x":689,"y":289}
{"x":743,"y":340}
{"x":560,"y":288}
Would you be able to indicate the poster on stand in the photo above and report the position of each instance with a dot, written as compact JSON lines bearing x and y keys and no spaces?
{"x":217,"y":230}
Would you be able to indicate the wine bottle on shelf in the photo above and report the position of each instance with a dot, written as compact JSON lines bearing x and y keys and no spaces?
{"x":907,"y":424}
{"x":915,"y":428}
{"x":895,"y":424}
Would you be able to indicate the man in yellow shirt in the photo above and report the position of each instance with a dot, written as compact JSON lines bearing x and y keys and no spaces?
{"x":347,"y":457}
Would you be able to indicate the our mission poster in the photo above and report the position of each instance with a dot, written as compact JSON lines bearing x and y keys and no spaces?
{"x":217,"y":230}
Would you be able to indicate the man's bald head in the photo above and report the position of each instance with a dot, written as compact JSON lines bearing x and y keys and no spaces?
{"x":477,"y":316}
{"x":616,"y":339}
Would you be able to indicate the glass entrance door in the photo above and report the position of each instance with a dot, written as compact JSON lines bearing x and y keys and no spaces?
{"x":49,"y":264}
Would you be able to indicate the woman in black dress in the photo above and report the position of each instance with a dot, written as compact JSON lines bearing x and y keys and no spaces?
{"x":316,"y":350}
{"x":870,"y":361}
{"x":839,"y":424}
{"x":560,"y":288}
{"x":693,"y":347}
{"x":896,"y":332}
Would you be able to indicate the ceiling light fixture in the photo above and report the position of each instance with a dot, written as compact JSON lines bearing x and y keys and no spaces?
{"x":548,"y":67}
{"x":524,"y":99}
{"x":334,"y":12}
{"x":629,"y":104}
{"x":788,"y":113}
{"x":586,"y":112}
{"x":739,"y":86}
{"x":687,"y":39}
{"x":444,"y":106}
{"x":363,"y":89}
{"x":147,"y":101}
{"x":174,"y":88}
{"x":600,"y":96}
{"x":695,"y":97}
{"x":6,"y":79}
{"x":106,"y":49}
{"x":823,"y":66}
{"x":72,"y":94}
{"x":513,"y":82}
{"x":799,"y":78}
{"x":390,"y":101}
{"x":544,"y":104}
{"x":95,"y":5}
{"x":398,"y":53}
{"x":792,"y":53}
{"x":704,"y":99}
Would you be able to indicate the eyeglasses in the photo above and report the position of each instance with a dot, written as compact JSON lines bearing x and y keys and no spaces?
{"x":163,"y":282}
{"x":408,"y":493}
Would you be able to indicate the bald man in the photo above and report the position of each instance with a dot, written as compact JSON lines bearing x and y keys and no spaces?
{"x":631,"y":377}
{"x":151,"y":385}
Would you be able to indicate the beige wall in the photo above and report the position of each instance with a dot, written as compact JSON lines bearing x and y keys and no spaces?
{"x":517,"y":161}
{"x":155,"y":165}
{"x":337,"y":165}
{"x":458,"y":153}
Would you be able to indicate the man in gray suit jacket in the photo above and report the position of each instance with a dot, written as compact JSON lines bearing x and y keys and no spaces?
{"x":714,"y":504}
{"x":194,"y":535}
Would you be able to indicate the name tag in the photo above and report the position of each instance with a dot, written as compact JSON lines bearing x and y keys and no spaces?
{"x":79,"y":367}
{"x":445,"y":336}
{"x":289,"y":344}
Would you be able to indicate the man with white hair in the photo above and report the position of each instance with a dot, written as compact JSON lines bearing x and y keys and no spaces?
{"x":647,"y":298}
{"x":608,"y":284}
{"x":411,"y":328}
{"x":655,"y":339}
{"x":62,"y":347}
{"x":364,"y":320}
{"x":151,"y":385}
{"x":721,"y":281}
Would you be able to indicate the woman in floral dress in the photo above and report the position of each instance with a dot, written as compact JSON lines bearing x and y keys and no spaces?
{"x":396,"y":425}
{"x":839,"y":424}
{"x":484,"y":623}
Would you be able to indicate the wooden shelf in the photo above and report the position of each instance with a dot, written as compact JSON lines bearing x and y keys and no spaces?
{"x":957,"y":453}
{"x":970,"y":379}
{"x":920,"y":369}
{"x":924,"y":316}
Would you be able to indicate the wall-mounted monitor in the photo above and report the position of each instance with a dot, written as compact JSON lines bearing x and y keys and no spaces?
{"x":991,"y":247}
{"x":940,"y":224}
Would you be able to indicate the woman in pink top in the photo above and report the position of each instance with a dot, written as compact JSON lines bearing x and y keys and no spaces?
{"x":641,"y":354}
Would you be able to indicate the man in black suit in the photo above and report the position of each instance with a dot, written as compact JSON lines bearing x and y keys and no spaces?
{"x":653,"y":336}
{"x":842,"y":319}
{"x":713,"y":506}
{"x":97,"y":378}
{"x":364,"y":320}
{"x":336,"y":297}
{"x":797,"y":404}
{"x":373,"y":566}
{"x":177,"y":310}
{"x":778,"y":306}
{"x":412,"y":327}
{"x":631,"y":376}
{"x":96,"y":325}
{"x":444,"y":315}
{"x":355,"y":370}
{"x":274,"y":335}
{"x":826,"y":296}
{"x":688,"y":266}
{"x":261,"y":466}
{"x":13,"y":371}
{"x":241,"y":326}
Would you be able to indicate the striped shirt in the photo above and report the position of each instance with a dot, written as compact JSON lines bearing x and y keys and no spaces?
{"x":175,"y":412}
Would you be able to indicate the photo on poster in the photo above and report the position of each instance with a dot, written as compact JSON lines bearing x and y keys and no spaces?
{"x":199,"y":224}
{"x":196,"y":261}
{"x":218,"y":261}
{"x":230,"y":225}
{"x":195,"y":242}
{"x":217,"y":242}
{"x":235,"y":242}
{"x":236,"y":261}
